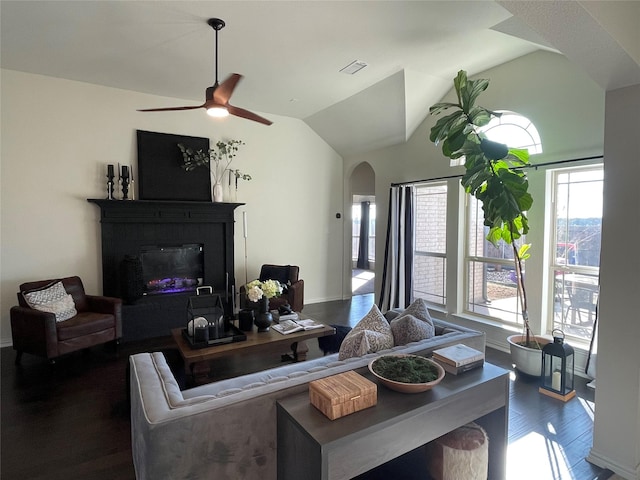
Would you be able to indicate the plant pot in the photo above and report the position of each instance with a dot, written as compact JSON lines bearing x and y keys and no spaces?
{"x":527,"y":360}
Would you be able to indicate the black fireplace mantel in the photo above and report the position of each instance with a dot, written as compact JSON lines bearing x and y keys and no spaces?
{"x":129,"y":225}
{"x":164,"y":211}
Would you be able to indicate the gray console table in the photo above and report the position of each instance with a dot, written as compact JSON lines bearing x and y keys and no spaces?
{"x":310,"y":446}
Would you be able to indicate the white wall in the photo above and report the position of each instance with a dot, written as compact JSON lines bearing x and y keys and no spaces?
{"x":58,"y":136}
{"x":566,"y":106}
{"x":616,"y":434}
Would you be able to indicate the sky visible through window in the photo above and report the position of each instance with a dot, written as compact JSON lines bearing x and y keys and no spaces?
{"x":515,"y":131}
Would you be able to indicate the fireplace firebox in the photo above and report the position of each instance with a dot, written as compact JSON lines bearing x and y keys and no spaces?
{"x":171,"y":268}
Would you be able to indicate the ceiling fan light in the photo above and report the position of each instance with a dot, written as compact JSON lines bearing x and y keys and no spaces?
{"x":217,"y":112}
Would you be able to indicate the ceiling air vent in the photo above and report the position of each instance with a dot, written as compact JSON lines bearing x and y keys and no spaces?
{"x":354,"y":67}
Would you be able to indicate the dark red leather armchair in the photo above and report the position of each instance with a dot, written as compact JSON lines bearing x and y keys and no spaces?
{"x":98,"y":321}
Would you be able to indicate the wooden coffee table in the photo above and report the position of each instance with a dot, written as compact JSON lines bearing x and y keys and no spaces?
{"x":256,"y":342}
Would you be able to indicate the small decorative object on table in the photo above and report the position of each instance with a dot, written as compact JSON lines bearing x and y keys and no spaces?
{"x":245,"y":319}
{"x":207,"y":326}
{"x":406,"y":373}
{"x":458,"y":358}
{"x":342,"y":394}
{"x":258,"y":291}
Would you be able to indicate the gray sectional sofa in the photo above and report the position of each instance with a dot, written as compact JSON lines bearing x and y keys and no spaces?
{"x":227,"y":429}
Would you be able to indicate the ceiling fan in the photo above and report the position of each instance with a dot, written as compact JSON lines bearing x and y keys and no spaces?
{"x":217,"y":97}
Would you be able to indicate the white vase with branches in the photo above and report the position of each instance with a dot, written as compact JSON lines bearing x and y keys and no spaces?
{"x":217,"y":159}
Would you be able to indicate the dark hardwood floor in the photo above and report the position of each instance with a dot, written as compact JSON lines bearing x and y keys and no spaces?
{"x":71,"y":421}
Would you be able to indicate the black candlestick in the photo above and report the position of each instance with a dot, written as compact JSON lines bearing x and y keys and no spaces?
{"x":125,"y":187}
{"x":110,"y":188}
{"x":110,"y":175}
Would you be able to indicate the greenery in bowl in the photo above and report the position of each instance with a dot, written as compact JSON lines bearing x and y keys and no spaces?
{"x":406,"y":369}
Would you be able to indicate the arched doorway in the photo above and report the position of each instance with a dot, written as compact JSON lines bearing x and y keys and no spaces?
{"x":363,"y":231}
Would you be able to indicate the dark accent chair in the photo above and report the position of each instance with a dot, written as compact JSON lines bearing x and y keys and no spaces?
{"x":98,"y":321}
{"x":288,"y":276}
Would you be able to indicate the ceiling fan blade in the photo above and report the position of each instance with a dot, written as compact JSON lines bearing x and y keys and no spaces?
{"x":241,"y":112}
{"x":223,"y":92}
{"x":167,"y":109}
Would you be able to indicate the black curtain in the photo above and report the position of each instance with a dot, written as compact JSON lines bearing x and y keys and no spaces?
{"x":363,"y":246}
{"x":397,"y":274}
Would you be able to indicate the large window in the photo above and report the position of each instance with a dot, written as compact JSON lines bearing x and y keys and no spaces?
{"x":491,"y":283}
{"x":491,"y":288}
{"x":575,"y":263}
{"x":487,"y":287}
{"x":430,"y":261}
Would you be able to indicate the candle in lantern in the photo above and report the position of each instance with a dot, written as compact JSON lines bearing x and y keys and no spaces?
{"x":556,"y":380}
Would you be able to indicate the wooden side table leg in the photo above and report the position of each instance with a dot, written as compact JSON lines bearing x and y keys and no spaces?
{"x":300,"y":350}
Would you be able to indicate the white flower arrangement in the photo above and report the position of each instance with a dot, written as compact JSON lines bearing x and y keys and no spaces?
{"x":257,"y":289}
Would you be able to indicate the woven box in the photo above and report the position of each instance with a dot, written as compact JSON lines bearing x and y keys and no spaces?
{"x":342,"y":394}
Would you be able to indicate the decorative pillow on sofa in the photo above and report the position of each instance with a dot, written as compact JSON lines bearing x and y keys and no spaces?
{"x":53,"y":299}
{"x":370,"y":335}
{"x":413,"y":325}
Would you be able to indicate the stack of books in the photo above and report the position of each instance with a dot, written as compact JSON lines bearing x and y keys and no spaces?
{"x":289,"y":316}
{"x":458,"y":358}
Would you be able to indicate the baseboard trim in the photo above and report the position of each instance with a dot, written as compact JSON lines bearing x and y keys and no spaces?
{"x":325,"y":299}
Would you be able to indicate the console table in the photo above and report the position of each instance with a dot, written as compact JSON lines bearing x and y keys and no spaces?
{"x":311,"y":446}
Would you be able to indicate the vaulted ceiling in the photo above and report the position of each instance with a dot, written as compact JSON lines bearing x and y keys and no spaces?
{"x":290,"y":53}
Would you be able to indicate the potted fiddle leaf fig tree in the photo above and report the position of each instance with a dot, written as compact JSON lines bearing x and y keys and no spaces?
{"x":494,"y":175}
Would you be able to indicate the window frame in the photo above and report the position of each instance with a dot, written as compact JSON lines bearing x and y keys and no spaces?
{"x":588,"y":274}
{"x":431,"y":297}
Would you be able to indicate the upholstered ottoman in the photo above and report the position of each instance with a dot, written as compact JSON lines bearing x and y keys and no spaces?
{"x":462,"y":454}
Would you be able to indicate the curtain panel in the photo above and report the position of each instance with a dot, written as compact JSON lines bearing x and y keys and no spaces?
{"x":397,"y":274}
{"x":363,"y":244}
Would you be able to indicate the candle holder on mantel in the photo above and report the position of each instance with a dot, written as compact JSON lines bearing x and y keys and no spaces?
{"x":124,"y":181}
{"x":110,"y":184}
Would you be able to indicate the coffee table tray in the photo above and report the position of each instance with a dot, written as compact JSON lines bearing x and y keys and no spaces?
{"x":232,"y":334}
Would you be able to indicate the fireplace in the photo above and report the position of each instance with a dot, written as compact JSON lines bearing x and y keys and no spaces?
{"x":155,"y":254}
{"x":171,"y":269}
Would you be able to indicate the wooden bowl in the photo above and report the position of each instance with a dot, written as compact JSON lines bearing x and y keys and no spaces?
{"x":408,"y":387}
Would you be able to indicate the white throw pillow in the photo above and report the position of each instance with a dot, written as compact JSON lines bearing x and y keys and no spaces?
{"x":53,"y":299}
{"x":371,"y":334}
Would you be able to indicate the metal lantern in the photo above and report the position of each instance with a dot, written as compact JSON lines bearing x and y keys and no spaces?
{"x":557,"y":368}
{"x":205,"y":316}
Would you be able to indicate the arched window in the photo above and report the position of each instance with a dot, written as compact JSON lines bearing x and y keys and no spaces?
{"x":515,"y":131}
